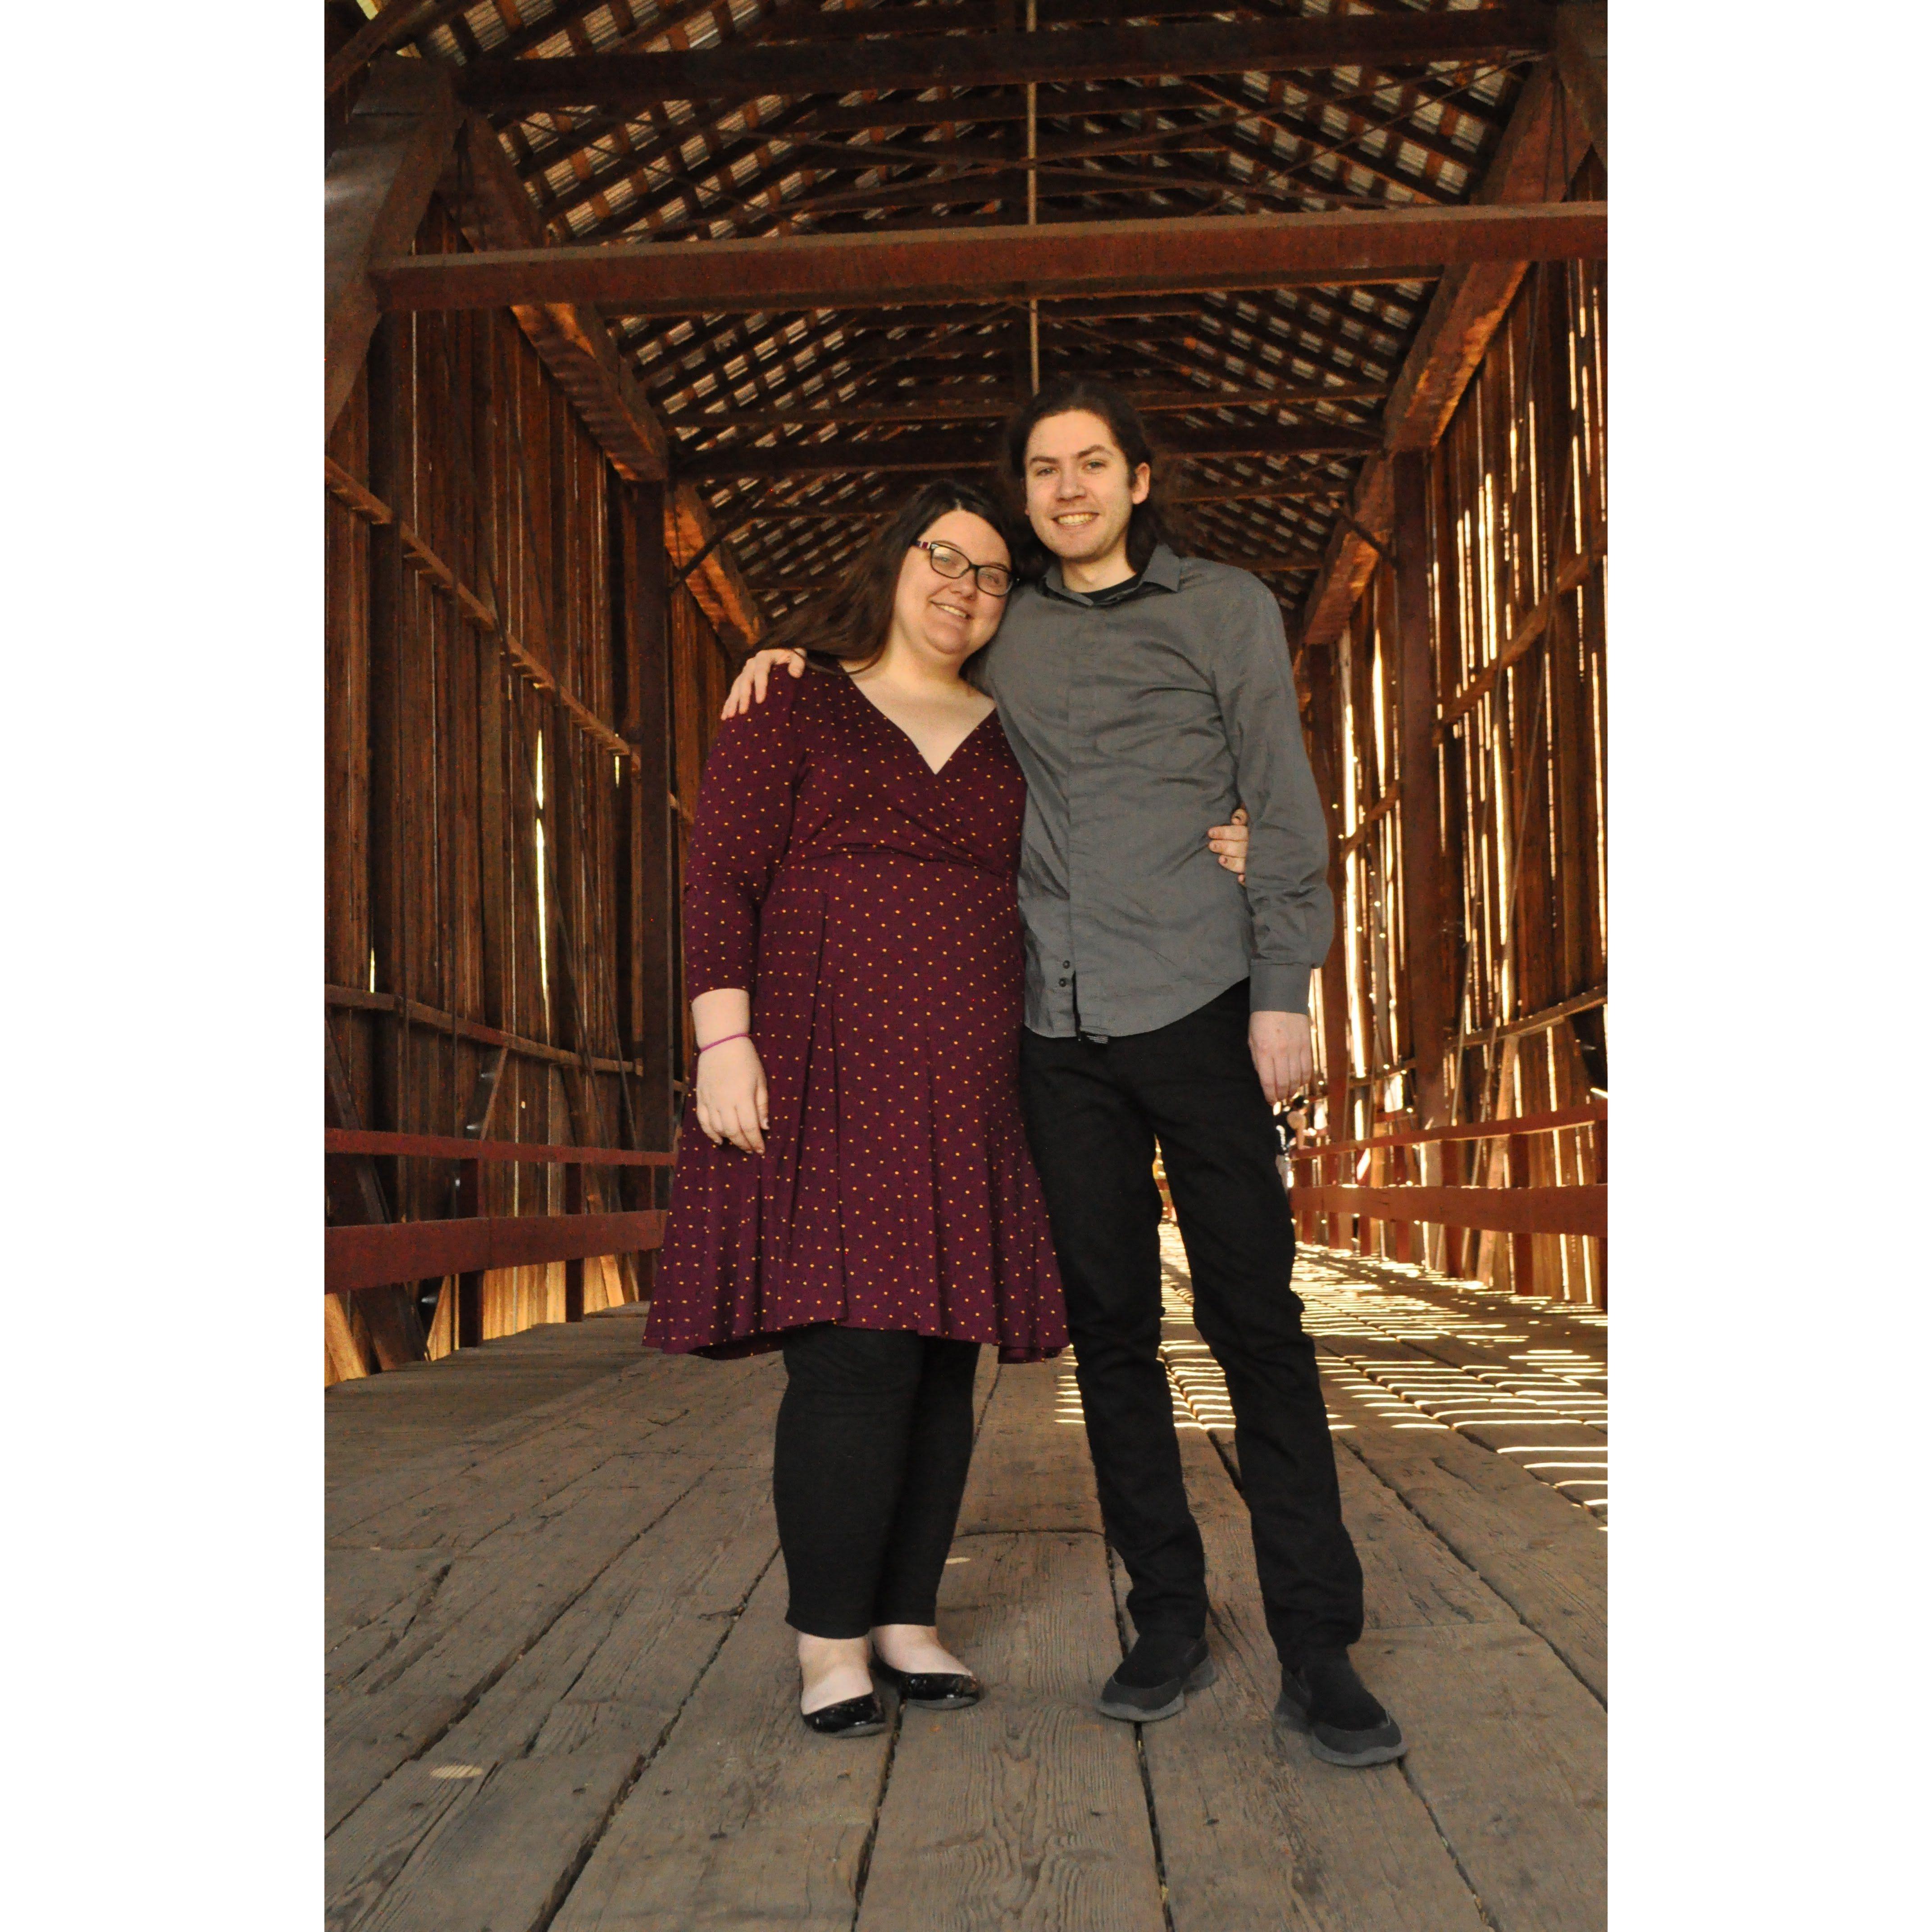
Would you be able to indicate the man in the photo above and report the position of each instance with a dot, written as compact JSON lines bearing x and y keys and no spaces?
{"x":1145,"y":695}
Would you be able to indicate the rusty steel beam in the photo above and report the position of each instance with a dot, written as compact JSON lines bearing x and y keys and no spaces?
{"x":1409,"y":37}
{"x":987,"y":264}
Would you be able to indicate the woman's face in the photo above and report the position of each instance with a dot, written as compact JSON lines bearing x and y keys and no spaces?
{"x":950,"y":616}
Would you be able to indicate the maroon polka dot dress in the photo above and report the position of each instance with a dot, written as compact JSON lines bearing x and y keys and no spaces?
{"x":868,"y":904}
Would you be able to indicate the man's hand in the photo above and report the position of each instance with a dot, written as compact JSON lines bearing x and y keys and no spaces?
{"x":749,"y":689}
{"x":1229,"y":844}
{"x":1283,"y":1046}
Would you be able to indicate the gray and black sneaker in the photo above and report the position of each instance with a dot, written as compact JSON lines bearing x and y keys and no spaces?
{"x":1155,"y":1677}
{"x":1345,"y":1725}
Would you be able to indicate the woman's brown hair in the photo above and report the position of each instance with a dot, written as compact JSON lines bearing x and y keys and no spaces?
{"x":847,"y":628}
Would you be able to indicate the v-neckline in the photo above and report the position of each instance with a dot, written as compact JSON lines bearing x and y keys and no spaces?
{"x":946,"y":763}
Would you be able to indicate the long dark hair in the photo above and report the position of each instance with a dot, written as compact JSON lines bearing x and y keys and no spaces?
{"x":847,"y":628}
{"x":1151,"y":521}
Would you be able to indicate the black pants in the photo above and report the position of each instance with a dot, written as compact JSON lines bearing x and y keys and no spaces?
{"x":874,"y":1434}
{"x":1093,"y":1113}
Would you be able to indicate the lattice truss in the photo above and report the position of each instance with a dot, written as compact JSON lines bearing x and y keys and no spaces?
{"x":739,"y":391}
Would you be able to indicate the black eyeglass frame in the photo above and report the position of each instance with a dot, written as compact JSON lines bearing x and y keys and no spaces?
{"x":929,"y":545}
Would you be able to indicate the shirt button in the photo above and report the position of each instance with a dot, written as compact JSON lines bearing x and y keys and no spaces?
{"x":1063,"y":983}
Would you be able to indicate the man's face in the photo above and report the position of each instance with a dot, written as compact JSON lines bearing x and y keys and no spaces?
{"x":1079,"y":489}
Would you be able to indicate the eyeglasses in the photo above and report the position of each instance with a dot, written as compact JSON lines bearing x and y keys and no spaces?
{"x":994,"y":579}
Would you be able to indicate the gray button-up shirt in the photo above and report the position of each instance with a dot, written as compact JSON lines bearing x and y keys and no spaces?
{"x":1139,"y":723}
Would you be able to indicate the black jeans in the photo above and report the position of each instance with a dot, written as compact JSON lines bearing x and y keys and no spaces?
{"x":1093,"y":1112}
{"x":874,"y":1434}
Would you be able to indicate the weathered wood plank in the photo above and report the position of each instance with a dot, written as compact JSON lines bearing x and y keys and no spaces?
{"x":1026,"y":1810}
{"x":1256,"y":1831}
{"x":497,"y":1602}
{"x":500,"y":1862}
{"x":1543,"y":1556}
{"x":366,"y":1856}
{"x":745,"y":1819}
{"x":1030,"y":1467}
{"x":422,"y":1435}
{"x":1506,"y":1749}
{"x":610,"y":1676}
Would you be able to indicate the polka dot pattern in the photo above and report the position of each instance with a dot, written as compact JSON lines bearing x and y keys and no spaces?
{"x":868,"y":903}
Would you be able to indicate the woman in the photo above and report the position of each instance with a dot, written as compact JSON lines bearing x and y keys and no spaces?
{"x":859,"y":1191}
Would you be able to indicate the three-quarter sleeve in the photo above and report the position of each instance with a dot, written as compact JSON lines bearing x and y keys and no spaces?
{"x":1288,"y":836}
{"x":742,"y":828}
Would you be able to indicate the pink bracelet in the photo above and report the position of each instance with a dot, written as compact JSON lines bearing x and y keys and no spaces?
{"x":721,"y":1039}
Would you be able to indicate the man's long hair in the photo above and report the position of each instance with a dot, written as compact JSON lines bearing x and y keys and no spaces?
{"x":847,"y":628}
{"x":1151,"y":523}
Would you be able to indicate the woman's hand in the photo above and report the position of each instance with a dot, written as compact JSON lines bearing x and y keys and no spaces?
{"x":750,"y":687}
{"x":1229,"y":843}
{"x":732,"y":1102}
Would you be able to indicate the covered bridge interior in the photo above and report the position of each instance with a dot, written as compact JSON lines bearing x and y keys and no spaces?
{"x":639,"y":318}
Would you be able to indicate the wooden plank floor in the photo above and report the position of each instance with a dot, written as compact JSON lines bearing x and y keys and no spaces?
{"x":560,"y":1691}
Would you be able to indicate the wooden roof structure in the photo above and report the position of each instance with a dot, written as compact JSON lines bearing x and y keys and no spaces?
{"x":1288,"y":228}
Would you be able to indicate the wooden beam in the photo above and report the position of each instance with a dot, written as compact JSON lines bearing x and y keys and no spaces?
{"x":366,"y":1141}
{"x":1582,"y":58}
{"x":1539,"y":151}
{"x":495,"y":212}
{"x":1428,"y":948}
{"x":1073,"y":258}
{"x":376,"y":188}
{"x":647,"y":945}
{"x":414,"y":1012}
{"x":355,"y":1259}
{"x":1525,"y":628}
{"x":400,"y":20}
{"x":914,"y":453}
{"x":939,"y":405}
{"x":575,"y":342}
{"x":1406,"y":37}
{"x":1502,"y":1211}
{"x":417,"y":556}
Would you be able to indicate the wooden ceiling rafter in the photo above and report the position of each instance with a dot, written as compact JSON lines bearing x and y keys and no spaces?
{"x":1013,"y":59}
{"x":1397,"y":133}
{"x":1139,"y":256}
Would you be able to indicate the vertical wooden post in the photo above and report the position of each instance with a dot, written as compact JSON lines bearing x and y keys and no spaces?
{"x":1523,"y":1247}
{"x":1319,"y":667}
{"x":573,"y":1270}
{"x":1603,"y":1140}
{"x":1426,"y":950}
{"x":388,"y":596}
{"x":1456,"y":1260}
{"x":1401,"y":1234}
{"x":646,"y":922}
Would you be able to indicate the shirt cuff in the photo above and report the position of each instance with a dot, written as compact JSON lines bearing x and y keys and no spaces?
{"x":1274,"y":988}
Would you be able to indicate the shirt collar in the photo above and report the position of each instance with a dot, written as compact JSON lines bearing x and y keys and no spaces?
{"x":1162,"y":573}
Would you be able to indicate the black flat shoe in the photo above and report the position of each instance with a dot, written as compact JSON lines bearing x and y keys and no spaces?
{"x":932,"y":1690}
{"x":855,"y":1717}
